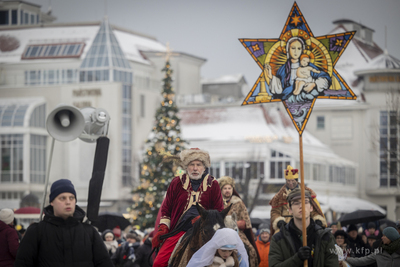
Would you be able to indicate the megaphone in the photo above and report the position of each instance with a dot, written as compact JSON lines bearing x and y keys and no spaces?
{"x":96,"y":124}
{"x":65,"y":123}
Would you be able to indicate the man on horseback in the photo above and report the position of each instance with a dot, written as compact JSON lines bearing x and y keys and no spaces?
{"x":179,"y":206}
{"x":230,"y":196}
{"x":280,"y":208}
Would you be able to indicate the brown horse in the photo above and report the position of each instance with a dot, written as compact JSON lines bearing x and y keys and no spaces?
{"x":201,"y":232}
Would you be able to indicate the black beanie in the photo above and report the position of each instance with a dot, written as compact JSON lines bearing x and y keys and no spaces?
{"x":352,"y":227}
{"x":61,"y":186}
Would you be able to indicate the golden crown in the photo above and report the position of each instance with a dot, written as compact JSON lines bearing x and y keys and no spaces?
{"x":291,"y":173}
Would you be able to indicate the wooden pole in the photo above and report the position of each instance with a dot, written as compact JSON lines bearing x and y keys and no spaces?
{"x":303,"y":201}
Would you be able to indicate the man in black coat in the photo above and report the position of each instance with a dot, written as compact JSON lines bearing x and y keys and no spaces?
{"x":143,"y":253}
{"x":62,"y":239}
{"x":356,"y":245}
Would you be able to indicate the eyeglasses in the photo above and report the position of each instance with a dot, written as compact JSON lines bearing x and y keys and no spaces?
{"x":297,"y":203}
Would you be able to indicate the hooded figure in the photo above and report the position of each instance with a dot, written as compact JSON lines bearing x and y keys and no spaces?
{"x":225,"y":239}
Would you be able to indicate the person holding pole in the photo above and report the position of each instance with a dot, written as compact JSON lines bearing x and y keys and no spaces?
{"x":280,"y":209}
{"x":287,"y":247}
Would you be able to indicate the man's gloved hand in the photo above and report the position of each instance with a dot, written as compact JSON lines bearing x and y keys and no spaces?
{"x":162,"y":230}
{"x":281,"y":223}
{"x":304,"y":253}
{"x":319,"y":222}
{"x":241,"y":224}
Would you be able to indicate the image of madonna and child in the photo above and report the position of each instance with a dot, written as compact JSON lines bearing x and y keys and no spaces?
{"x":298,"y":80}
{"x":224,"y":249}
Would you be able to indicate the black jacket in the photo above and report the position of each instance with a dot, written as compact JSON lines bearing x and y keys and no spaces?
{"x":357,"y":247}
{"x":58,"y":242}
{"x":142,"y":254}
{"x":122,"y":256}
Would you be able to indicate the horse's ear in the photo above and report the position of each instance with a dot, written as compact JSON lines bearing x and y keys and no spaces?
{"x":234,"y":216}
{"x":225,"y":211}
{"x":201,"y":210}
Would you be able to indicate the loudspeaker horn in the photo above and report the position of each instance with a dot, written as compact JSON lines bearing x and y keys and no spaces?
{"x":65,"y":123}
{"x":96,"y":124}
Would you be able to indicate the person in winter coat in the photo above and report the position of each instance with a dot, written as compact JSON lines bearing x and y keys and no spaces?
{"x":125,"y":256}
{"x":179,"y":206}
{"x":224,"y":249}
{"x":61,"y":238}
{"x":8,"y":238}
{"x":263,"y":243}
{"x":356,"y":245}
{"x":230,"y":196}
{"x":341,"y":240}
{"x":388,"y":254}
{"x":110,"y":242}
{"x":280,"y":208}
{"x":143,"y":252}
{"x":287,"y":248}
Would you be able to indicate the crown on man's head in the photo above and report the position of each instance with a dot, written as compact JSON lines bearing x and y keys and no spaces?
{"x":291,"y":173}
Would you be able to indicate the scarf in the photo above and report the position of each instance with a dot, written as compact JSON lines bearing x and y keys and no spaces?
{"x":218,"y":261}
{"x":392,"y":246}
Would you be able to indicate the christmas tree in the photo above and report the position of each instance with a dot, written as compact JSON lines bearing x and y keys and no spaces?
{"x":156,"y":175}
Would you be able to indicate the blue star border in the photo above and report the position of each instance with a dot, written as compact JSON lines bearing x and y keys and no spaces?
{"x":335,"y":44}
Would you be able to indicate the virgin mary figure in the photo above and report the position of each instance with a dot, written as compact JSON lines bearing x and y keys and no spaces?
{"x":282,"y":84}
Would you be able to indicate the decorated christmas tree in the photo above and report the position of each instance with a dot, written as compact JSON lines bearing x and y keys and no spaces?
{"x":155,"y":175}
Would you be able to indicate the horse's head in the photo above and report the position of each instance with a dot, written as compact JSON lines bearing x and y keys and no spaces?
{"x":210,"y":221}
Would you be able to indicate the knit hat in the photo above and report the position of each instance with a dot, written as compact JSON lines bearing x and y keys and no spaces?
{"x":61,"y":186}
{"x":117,"y":231}
{"x":391,"y":233}
{"x":371,"y":225}
{"x":291,"y":174}
{"x":296,"y":194}
{"x":224,"y":180}
{"x":264,"y":230}
{"x":352,"y":227}
{"x":7,"y":216}
{"x":192,"y":154}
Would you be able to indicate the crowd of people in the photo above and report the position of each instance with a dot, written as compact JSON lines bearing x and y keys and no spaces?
{"x":62,"y":238}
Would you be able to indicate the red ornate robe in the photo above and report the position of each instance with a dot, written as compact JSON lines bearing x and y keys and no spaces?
{"x":180,"y":197}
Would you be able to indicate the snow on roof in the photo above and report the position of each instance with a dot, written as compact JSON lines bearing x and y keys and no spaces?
{"x":342,"y":204}
{"x":63,"y":33}
{"x":383,"y":61}
{"x":234,"y":78}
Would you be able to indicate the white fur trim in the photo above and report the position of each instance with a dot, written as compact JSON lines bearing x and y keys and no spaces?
{"x":275,"y":223}
{"x":322,"y":219}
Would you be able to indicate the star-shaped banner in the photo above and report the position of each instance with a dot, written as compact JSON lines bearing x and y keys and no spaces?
{"x":298,"y":68}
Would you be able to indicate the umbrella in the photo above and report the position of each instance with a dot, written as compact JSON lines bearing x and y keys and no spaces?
{"x":109,"y":220}
{"x":361,"y":216}
{"x":386,"y":223}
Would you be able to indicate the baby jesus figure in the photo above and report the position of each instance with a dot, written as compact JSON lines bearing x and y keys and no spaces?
{"x":303,"y":74}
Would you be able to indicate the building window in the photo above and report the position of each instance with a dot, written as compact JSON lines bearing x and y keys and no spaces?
{"x":389,"y":149}
{"x":14,"y":17}
{"x":38,"y":158}
{"x":38,"y":117}
{"x":321,"y":122}
{"x":11,"y":160}
{"x":278,"y":164}
{"x":215,"y":169}
{"x":12,"y":115}
{"x":62,"y":50}
{"x":244,"y":169}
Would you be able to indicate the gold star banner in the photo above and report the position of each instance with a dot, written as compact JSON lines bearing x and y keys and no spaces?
{"x":298,"y":68}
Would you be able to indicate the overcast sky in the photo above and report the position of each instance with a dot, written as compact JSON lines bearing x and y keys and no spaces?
{"x":210,"y":29}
